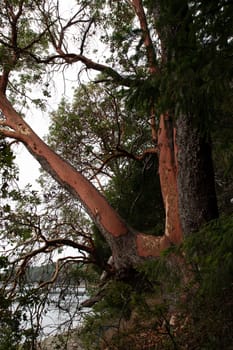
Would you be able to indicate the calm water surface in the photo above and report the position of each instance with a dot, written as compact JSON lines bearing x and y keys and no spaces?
{"x":61,"y":313}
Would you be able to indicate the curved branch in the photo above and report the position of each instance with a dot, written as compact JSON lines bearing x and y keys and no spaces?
{"x":48,"y":247}
{"x":125,"y":154}
{"x":71,"y":58}
{"x":58,"y":267}
{"x":68,"y":242}
{"x":128,"y":246}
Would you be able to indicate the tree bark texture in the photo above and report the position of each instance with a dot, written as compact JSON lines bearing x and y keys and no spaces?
{"x":168,"y":178}
{"x":196,"y":185}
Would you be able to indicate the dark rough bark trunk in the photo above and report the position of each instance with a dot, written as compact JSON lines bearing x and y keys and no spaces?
{"x":196,"y":186}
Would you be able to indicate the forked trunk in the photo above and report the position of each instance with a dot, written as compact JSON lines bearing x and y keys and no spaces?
{"x":128,"y":246}
{"x":186,"y":180}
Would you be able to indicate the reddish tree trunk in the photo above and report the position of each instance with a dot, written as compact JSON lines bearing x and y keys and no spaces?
{"x":190,"y":184}
{"x":185,"y":170}
{"x":168,"y":178}
{"x":128,"y":246}
{"x":166,"y":143}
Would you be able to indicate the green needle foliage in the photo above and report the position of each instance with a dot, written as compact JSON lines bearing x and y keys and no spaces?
{"x":191,"y":284}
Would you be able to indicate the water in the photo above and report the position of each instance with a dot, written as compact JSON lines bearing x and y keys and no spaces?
{"x":59,"y":313}
{"x":68,"y":314}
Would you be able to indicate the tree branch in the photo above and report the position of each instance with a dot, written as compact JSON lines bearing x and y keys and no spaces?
{"x":85,"y":36}
{"x":4,"y":81}
{"x":9,"y":133}
{"x":71,"y":58}
{"x":124,"y":153}
{"x":151,"y":56}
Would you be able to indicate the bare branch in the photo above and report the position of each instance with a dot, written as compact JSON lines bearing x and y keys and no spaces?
{"x":85,"y":36}
{"x":124,"y":153}
{"x":59,"y":266}
{"x":70,"y":23}
{"x":15,"y":16}
{"x":71,"y":58}
{"x":33,"y":42}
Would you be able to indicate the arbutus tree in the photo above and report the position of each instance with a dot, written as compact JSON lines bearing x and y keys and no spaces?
{"x":159,"y":56}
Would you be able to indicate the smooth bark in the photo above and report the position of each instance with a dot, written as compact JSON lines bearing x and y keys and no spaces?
{"x":168,"y":172}
{"x":128,"y":246}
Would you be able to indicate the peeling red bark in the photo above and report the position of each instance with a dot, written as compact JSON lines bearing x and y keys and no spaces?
{"x":128,"y":247}
{"x":96,"y":205}
{"x":166,"y":145}
{"x":168,"y":178}
{"x":188,"y":200}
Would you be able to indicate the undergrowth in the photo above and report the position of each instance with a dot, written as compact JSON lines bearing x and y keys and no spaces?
{"x":184,"y":300}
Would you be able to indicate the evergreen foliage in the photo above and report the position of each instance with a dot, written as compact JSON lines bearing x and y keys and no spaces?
{"x":191,"y":285}
{"x":135,"y":193}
